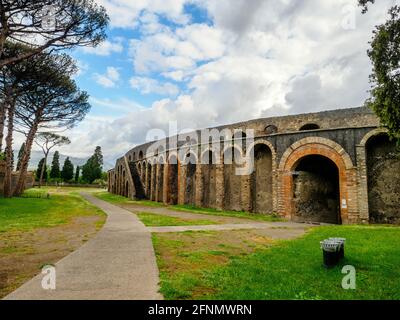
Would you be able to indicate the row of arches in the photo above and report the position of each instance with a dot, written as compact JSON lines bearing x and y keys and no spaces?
{"x":201,"y":179}
{"x":315,"y":181}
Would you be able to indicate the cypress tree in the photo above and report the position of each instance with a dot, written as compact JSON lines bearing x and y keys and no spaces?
{"x":20,"y":155}
{"x":67,"y":173}
{"x":55,"y":166}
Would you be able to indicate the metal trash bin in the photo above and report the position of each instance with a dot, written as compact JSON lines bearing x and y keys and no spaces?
{"x":341,"y":241}
{"x":330,"y":250}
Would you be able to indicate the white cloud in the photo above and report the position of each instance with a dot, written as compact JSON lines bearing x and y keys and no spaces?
{"x":109,"y":79}
{"x":126,"y":13}
{"x":257,"y":58}
{"x":106,"y":48}
{"x":148,"y":85}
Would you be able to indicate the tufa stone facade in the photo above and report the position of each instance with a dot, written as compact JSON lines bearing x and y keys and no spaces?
{"x":334,"y":167}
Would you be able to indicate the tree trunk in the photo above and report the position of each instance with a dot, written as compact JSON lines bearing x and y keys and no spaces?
{"x":25,"y":159}
{"x":2,"y":120}
{"x":9,"y":150}
{"x":42,"y":170}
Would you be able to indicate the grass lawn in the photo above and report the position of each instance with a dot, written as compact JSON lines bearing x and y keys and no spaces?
{"x":246,"y":265}
{"x":116,"y":199}
{"x":227,"y":213}
{"x":120,"y":200}
{"x":158,"y":220}
{"x":36,"y":230}
{"x":30,"y":212}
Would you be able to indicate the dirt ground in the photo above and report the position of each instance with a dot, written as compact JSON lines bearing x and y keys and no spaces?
{"x":23,"y":254}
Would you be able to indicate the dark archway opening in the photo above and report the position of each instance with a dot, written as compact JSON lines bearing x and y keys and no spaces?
{"x":160,"y":182}
{"x":127,"y":189}
{"x":173,"y":180}
{"x":148,"y":180}
{"x":261,"y":180}
{"x":383,"y":167}
{"x":153,"y":182}
{"x":316,"y":190}
{"x":209,"y":180}
{"x":190,"y":184}
{"x":310,"y":126}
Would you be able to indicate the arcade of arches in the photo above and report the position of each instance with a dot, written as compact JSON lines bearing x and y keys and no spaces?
{"x":313,"y":180}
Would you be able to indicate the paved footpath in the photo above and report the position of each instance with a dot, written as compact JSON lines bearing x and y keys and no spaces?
{"x":118,"y":263}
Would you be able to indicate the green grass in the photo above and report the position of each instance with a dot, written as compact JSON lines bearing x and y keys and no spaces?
{"x":28,"y":213}
{"x":158,"y":220}
{"x":293,"y":269}
{"x":116,"y":199}
{"x":226,"y":213}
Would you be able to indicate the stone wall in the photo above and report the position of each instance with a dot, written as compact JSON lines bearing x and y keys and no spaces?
{"x":29,"y":182}
{"x":383,"y":167}
{"x":277,"y":184}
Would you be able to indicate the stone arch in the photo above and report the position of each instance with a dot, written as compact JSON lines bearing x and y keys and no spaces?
{"x":383,"y":180}
{"x":262,"y":188}
{"x":149,"y":174}
{"x":316,"y":142}
{"x":160,"y":179}
{"x":317,"y":146}
{"x":208,"y":177}
{"x":190,"y":157}
{"x":250,"y":168}
{"x":371,"y":134}
{"x":140,"y":155}
{"x":232,"y":160}
{"x":270,"y":129}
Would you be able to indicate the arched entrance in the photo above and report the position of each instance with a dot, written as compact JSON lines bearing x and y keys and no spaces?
{"x":172,"y":187}
{"x":316,"y":196}
{"x":190,"y":183}
{"x":261,"y":180}
{"x":331,"y":155}
{"x":153,"y":181}
{"x":209,"y":179}
{"x":148,"y":180}
{"x":160,"y":182}
{"x":127,"y":189}
{"x":383,"y":167}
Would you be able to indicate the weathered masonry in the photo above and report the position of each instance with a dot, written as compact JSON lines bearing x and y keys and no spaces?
{"x":334,"y":167}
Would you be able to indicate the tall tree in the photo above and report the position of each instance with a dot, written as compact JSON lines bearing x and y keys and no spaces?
{"x":55,"y":172}
{"x":93,"y":168}
{"x":77,"y":173}
{"x":67,"y":173}
{"x":56,"y":102}
{"x":364,"y":4}
{"x":50,"y":24}
{"x":11,"y":85}
{"x":385,"y":78}
{"x":47,"y":141}
{"x":41,"y":166}
{"x":20,"y":154}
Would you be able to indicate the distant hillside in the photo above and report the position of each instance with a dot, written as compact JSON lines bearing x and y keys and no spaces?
{"x":36,"y":156}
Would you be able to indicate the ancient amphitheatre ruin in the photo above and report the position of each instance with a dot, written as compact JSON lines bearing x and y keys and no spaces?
{"x":334,"y":167}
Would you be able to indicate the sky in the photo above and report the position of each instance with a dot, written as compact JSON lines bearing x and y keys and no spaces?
{"x":211,"y":62}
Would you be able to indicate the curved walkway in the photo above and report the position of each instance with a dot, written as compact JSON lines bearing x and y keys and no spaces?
{"x":118,"y":263}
